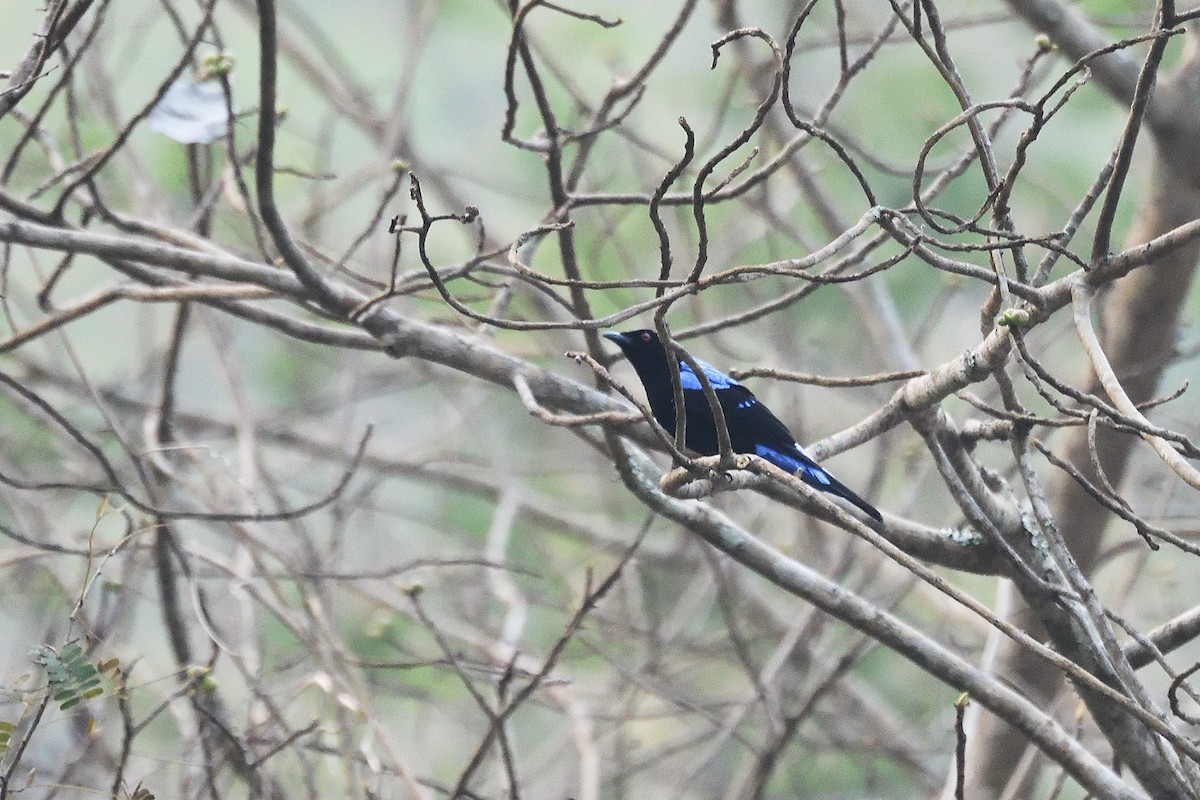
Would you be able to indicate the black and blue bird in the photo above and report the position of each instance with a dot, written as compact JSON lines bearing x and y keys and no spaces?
{"x":751,"y":425}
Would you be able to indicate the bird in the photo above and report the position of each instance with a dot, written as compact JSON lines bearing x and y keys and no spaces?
{"x":751,"y":425}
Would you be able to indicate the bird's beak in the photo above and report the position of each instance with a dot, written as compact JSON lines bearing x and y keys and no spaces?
{"x":613,"y":336}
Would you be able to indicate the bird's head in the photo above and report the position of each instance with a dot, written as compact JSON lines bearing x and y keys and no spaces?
{"x":644,"y":351}
{"x":640,"y":347}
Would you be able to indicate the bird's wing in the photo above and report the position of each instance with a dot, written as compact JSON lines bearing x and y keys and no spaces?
{"x":754,"y":429}
{"x":750,"y":422}
{"x":794,"y":459}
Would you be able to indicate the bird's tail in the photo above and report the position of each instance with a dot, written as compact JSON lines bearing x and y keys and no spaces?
{"x":840,"y":489}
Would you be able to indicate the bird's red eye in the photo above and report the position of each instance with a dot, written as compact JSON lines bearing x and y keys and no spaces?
{"x":646,"y":336}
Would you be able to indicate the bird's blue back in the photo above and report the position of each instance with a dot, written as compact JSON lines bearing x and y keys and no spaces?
{"x":752,"y":427}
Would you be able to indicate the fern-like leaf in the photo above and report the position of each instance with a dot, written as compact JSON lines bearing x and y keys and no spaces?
{"x":72,"y":678}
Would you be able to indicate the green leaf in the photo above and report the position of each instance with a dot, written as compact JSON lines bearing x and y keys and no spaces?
{"x":70,"y":676}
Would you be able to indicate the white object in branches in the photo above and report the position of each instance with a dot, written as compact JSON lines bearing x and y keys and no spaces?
{"x":191,"y":113}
